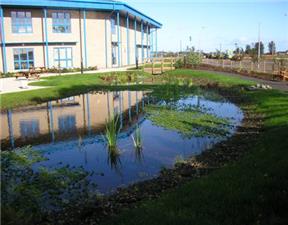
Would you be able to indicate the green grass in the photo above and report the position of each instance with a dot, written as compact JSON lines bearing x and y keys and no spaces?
{"x":57,"y":87}
{"x":252,"y":191}
{"x":224,"y":80}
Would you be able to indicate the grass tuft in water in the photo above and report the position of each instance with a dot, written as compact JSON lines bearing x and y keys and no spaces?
{"x":111,"y":134}
{"x":137,"y":139}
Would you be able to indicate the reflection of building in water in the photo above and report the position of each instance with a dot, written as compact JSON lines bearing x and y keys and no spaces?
{"x":65,"y":118}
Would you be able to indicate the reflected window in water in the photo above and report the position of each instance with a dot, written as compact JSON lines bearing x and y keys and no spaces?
{"x":67,"y":123}
{"x":29,"y":128}
{"x":70,"y":99}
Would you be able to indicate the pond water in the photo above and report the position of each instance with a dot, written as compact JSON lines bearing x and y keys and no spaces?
{"x":68,"y":132}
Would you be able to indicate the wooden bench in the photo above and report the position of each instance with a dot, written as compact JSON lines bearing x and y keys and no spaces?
{"x":32,"y":72}
{"x":284,"y":74}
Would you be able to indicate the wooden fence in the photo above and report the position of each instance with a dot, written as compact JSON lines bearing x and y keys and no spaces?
{"x":269,"y":67}
{"x":159,"y":65}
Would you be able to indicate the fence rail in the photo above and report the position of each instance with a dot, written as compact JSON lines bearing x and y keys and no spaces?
{"x":159,"y":65}
{"x":269,"y":67}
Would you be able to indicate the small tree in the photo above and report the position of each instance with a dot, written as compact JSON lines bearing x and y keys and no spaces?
{"x":272,"y":47}
{"x":194,"y":59}
{"x":256,"y":46}
{"x":248,"y":49}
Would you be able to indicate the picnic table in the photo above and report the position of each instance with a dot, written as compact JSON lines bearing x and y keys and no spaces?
{"x":32,"y":72}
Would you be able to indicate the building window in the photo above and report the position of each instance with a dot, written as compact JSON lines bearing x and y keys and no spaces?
{"x":23,"y":58}
{"x":114,"y":53}
{"x":63,"y":57}
{"x":67,"y":123}
{"x":61,"y":22}
{"x":29,"y":128}
{"x":113,"y":25}
{"x":21,"y":22}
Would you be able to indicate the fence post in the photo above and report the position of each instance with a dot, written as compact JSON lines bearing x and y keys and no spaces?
{"x":162,"y":65}
{"x":231,"y":64}
{"x":264,"y":67}
{"x":222,"y":63}
{"x":251,"y":69}
{"x":240,"y":65}
{"x":152,"y":65}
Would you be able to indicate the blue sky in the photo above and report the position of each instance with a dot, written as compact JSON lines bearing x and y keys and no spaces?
{"x":212,"y":23}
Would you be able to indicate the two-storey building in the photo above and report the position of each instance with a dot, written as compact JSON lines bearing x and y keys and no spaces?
{"x":73,"y":34}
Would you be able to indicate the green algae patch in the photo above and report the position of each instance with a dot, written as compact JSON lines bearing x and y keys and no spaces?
{"x":189,"y":122}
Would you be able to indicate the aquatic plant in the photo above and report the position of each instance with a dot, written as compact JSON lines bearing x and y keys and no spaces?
{"x":111,"y":133}
{"x":29,"y":195}
{"x":179,"y":160}
{"x":188,"y":121}
{"x":137,"y":140}
{"x":114,"y":159}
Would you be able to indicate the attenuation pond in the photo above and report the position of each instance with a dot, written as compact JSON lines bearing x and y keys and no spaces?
{"x":67,"y":145}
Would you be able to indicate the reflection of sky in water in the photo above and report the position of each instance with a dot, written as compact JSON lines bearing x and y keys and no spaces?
{"x":160,"y":148}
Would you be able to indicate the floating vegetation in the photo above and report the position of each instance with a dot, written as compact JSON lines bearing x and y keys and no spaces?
{"x":190,"y":122}
{"x":29,"y":195}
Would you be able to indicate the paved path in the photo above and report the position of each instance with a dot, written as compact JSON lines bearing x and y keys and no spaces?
{"x":11,"y":84}
{"x":279,"y":85}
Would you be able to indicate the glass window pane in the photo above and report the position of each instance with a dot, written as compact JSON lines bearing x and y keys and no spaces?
{"x":16,"y":57}
{"x":29,"y":29}
{"x":62,"y":53}
{"x":24,"y":65}
{"x":31,"y":64}
{"x":69,"y":53}
{"x":16,"y":66}
{"x":28,"y":14}
{"x":30,"y":54}
{"x":21,"y":14}
{"x":23,"y":56}
{"x":69,"y":63}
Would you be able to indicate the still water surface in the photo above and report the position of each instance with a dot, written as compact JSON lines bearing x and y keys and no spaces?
{"x":69,"y":132}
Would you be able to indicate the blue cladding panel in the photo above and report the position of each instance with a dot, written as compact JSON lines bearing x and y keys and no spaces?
{"x":85,"y":39}
{"x":46,"y":39}
{"x":3,"y":41}
{"x":118,"y":37}
{"x":106,"y":49}
{"x":128,"y":40}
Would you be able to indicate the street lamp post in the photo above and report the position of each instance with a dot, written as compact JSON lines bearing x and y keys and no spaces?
{"x":259,"y":53}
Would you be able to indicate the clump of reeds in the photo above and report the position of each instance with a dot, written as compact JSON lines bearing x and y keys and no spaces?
{"x":137,"y":140}
{"x":111,"y":133}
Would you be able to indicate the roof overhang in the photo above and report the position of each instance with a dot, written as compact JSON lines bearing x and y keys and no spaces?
{"x":101,"y":5}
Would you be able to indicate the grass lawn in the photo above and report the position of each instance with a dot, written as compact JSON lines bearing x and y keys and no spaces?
{"x":253,"y":190}
{"x":57,"y":87}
